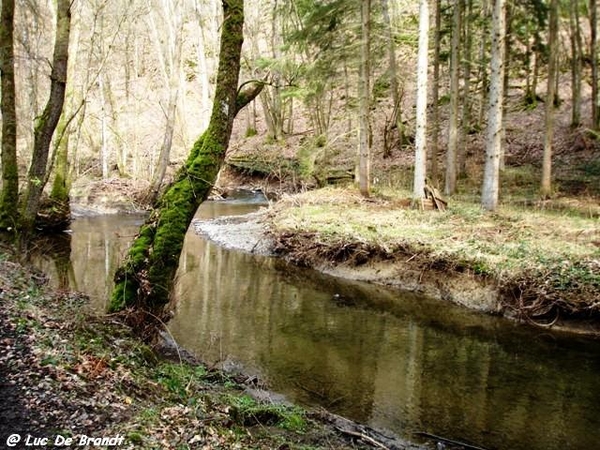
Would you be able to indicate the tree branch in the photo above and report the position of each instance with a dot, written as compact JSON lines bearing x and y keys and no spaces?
{"x":247,"y":92}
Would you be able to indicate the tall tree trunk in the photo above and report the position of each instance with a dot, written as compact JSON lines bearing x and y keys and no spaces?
{"x":104,"y":151}
{"x":531,"y":97}
{"x":490,"y":191}
{"x":276,"y":104}
{"x":421,"y":131}
{"x":364,"y":163}
{"x":74,"y":105}
{"x":507,"y":62}
{"x":451,"y":153}
{"x":482,"y":75}
{"x":466,"y":94}
{"x":435,"y":112}
{"x":10,"y":169}
{"x":576,"y":66}
{"x":546,"y":185}
{"x":594,"y":56}
{"x":396,"y":121}
{"x":46,"y":124}
{"x":146,"y":277}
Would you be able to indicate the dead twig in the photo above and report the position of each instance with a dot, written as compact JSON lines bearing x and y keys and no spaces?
{"x":364,"y":437}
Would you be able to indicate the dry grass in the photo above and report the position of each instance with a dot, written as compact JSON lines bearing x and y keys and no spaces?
{"x":531,"y":253}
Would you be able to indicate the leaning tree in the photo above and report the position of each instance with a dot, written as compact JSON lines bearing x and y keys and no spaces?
{"x":146,"y":277}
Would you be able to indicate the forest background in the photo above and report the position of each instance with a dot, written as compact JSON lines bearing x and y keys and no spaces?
{"x":341,"y":101}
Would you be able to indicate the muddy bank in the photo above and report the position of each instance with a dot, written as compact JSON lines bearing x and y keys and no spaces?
{"x":250,"y":233}
{"x":409,"y":271}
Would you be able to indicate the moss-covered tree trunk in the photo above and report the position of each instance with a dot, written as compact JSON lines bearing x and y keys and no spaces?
{"x":61,"y":185}
{"x":46,"y":123}
{"x":146,"y":276}
{"x":10,"y":169}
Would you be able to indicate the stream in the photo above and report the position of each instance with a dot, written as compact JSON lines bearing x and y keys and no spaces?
{"x":392,"y":360}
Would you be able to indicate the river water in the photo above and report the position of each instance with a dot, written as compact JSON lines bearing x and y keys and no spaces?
{"x":395,"y":361}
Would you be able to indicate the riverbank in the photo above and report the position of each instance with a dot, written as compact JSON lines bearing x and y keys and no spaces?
{"x":530,"y":263}
{"x":68,"y":374}
{"x":534,"y":264}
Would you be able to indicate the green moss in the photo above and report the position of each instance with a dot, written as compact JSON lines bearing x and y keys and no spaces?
{"x":60,"y":191}
{"x":127,"y":284}
{"x":176,"y":378}
{"x":194,"y":152}
{"x":248,"y":412}
{"x":135,"y":438}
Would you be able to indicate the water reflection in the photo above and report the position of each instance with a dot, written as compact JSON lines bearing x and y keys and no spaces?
{"x":397,"y":362}
{"x":95,"y":246}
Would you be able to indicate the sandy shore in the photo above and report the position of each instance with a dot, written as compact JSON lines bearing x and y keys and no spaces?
{"x":247,"y":233}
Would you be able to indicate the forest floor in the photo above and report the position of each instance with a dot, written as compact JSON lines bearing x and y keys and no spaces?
{"x":69,"y":378}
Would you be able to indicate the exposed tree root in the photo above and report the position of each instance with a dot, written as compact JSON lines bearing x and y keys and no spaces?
{"x":540,"y":299}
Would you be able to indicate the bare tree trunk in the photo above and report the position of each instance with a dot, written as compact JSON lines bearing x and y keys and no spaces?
{"x":435,"y":113}
{"x":146,"y":277}
{"x":421,"y":131}
{"x":507,"y":61}
{"x":466,"y":95}
{"x":276,"y":104}
{"x":74,"y":104}
{"x":46,"y":124}
{"x":170,"y":57}
{"x":396,"y":120}
{"x":594,"y":56}
{"x":165,"y":149}
{"x":10,"y":169}
{"x":451,"y":153}
{"x":364,"y":163}
{"x":576,"y":66}
{"x":546,"y":185}
{"x":482,"y":77}
{"x":490,"y":191}
{"x":104,"y":156}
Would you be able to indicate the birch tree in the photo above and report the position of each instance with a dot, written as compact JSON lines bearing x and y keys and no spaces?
{"x":490,"y":191}
{"x":421,"y":131}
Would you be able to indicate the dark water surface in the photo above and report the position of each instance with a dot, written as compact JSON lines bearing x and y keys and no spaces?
{"x":395,"y":361}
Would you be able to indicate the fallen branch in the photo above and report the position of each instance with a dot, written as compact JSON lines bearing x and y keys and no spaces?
{"x":364,"y":437}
